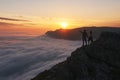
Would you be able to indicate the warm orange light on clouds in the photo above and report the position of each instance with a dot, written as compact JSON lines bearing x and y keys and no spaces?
{"x":47,"y":15}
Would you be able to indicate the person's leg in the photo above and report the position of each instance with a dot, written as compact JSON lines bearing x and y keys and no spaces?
{"x":91,"y":40}
{"x":86,"y":42}
{"x":83,"y":42}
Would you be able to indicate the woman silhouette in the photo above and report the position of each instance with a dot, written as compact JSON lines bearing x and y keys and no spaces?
{"x":90,"y":38}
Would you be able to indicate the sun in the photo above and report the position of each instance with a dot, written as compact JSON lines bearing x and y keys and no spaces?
{"x":64,"y":25}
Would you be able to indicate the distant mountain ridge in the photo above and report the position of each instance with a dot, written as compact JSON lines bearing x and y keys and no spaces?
{"x":74,"y":34}
{"x":97,"y":61}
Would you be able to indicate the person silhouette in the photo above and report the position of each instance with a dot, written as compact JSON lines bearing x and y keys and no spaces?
{"x":84,"y":37}
{"x":90,"y":38}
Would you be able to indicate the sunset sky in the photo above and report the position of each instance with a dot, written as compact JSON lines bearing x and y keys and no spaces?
{"x":46,"y":15}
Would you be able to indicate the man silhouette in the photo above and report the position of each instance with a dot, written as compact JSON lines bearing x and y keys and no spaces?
{"x":84,"y":37}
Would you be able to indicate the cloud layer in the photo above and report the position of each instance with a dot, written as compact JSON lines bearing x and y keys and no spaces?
{"x":11,"y":19}
{"x":23,"y":58}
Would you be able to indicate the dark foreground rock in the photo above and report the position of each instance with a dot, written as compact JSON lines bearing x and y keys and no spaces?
{"x":98,"y":61}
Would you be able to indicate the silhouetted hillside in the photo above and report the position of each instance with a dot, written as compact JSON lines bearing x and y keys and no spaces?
{"x":74,"y":34}
{"x":98,"y":61}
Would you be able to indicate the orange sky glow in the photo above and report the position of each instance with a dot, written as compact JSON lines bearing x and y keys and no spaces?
{"x":39,"y":16}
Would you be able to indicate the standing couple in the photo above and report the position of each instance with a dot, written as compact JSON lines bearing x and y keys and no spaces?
{"x":85,"y":38}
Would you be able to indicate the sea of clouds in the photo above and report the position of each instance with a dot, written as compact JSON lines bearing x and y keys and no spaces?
{"x":22,"y":58}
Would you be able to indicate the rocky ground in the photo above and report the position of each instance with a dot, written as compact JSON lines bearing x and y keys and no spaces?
{"x":97,"y":61}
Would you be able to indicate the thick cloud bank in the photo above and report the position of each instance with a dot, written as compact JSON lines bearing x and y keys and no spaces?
{"x":23,"y":58}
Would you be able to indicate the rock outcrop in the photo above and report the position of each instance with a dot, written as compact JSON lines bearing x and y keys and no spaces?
{"x":97,"y":61}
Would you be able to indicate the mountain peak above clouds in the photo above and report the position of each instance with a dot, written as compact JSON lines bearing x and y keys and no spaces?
{"x":74,"y":34}
{"x":97,"y":61}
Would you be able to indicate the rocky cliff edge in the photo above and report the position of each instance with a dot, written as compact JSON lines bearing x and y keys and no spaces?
{"x":97,"y":61}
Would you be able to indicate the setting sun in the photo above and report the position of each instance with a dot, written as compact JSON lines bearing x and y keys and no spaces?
{"x":64,"y":25}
